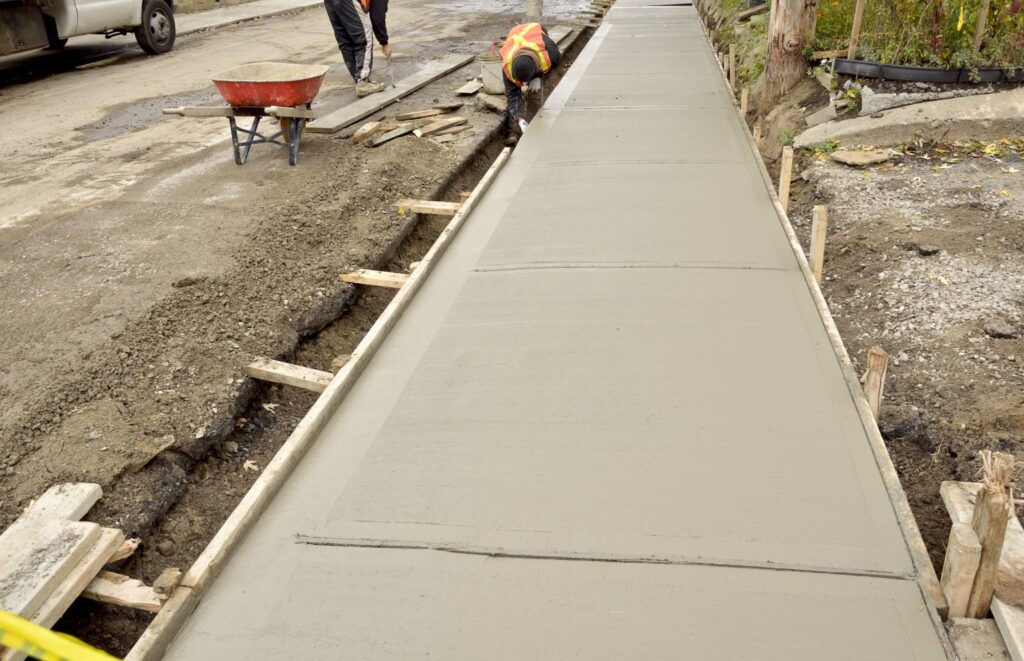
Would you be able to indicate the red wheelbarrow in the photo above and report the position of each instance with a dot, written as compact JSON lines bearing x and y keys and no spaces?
{"x":264,"y":89}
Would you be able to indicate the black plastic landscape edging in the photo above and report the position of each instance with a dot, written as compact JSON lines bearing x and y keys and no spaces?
{"x":914,"y":74}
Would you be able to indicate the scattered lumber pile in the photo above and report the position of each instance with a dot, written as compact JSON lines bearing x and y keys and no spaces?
{"x":49,"y":557}
{"x":428,"y":122}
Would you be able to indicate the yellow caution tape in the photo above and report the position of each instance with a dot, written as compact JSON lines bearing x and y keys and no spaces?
{"x":41,"y":643}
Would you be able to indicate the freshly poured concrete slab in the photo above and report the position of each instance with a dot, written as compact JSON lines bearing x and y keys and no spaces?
{"x":592,"y":437}
{"x":636,"y":135}
{"x":586,"y":214}
{"x":595,"y":411}
{"x":686,"y":66}
{"x":629,"y":91}
{"x":405,"y":604}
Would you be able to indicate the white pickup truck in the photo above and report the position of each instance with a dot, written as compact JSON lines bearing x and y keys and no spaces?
{"x":31,"y":24}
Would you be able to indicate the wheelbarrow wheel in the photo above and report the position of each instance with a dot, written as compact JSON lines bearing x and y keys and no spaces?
{"x":156,"y":34}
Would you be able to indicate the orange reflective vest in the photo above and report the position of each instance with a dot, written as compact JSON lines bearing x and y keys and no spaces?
{"x":366,"y":5}
{"x":529,"y":37}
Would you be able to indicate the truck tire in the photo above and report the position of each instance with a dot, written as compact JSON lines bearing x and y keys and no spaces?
{"x":55,"y":42}
{"x":156,"y":34}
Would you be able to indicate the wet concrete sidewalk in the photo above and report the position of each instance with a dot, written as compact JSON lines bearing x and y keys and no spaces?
{"x":611,"y":424}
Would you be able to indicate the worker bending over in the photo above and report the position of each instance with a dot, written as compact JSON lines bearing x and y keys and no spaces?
{"x":527,"y":56}
{"x":355,"y":23}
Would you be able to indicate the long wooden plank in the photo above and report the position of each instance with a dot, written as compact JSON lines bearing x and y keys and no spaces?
{"x":440,"y":125}
{"x":120,"y":590}
{"x":288,"y":374}
{"x":375,"y":278}
{"x":39,"y":566}
{"x":159,"y":634}
{"x":352,"y":113}
{"x":429,"y":207}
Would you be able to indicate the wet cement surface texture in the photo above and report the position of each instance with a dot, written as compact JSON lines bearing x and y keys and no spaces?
{"x":610,"y":425}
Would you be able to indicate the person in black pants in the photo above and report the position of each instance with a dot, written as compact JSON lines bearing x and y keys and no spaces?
{"x":355,"y":24}
{"x":527,"y":56}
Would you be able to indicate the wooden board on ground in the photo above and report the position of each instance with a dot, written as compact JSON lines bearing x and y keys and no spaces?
{"x":439,"y":125}
{"x":111,"y":588}
{"x":352,"y":113}
{"x":71,"y":588}
{"x":429,"y":207}
{"x":375,"y":278}
{"x":454,"y":130}
{"x":41,"y":561}
{"x":405,"y":129}
{"x":470,"y":88}
{"x":420,"y":114}
{"x":276,"y":371}
{"x":1010,"y":620}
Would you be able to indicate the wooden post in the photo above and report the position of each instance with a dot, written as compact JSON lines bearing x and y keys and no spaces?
{"x":979,"y":31}
{"x":744,"y":102}
{"x":858,"y":18}
{"x":992,"y":511}
{"x":874,"y":379}
{"x":757,"y":135}
{"x":732,"y":66}
{"x":963,"y":553}
{"x":819,"y":227}
{"x":785,"y":175}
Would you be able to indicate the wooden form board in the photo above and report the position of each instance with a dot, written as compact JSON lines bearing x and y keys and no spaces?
{"x":182,"y":602}
{"x":428,"y":207}
{"x":288,"y":374}
{"x":927,"y":577}
{"x":120,"y":590}
{"x":375,"y":278}
{"x":352,"y":113}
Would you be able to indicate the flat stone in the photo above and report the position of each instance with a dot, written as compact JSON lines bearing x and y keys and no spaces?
{"x":859,"y":159}
{"x":1001,"y":329}
{"x":927,"y":250}
{"x":826,"y":114}
{"x":492,"y":102}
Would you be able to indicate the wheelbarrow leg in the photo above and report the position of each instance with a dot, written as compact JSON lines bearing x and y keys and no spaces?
{"x":252,"y":137}
{"x":234,"y":141}
{"x":295,"y":139}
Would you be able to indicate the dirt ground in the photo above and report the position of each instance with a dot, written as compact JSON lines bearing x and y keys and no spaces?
{"x":138,"y":291}
{"x":925,"y":258}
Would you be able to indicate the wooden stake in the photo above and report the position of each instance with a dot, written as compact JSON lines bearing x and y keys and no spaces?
{"x":785,"y":176}
{"x":992,"y":511}
{"x":744,"y":102}
{"x":979,"y":31}
{"x":732,"y":66}
{"x":963,"y":553}
{"x":429,"y":207}
{"x":757,"y":135}
{"x":276,"y":371}
{"x":858,"y":18}
{"x":874,"y":379}
{"x":819,"y":228}
{"x":375,"y":278}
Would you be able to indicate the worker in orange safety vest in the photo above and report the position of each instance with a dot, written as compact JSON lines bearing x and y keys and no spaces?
{"x":527,"y":56}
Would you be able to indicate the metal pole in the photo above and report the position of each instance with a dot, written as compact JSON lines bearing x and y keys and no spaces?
{"x":534,"y":10}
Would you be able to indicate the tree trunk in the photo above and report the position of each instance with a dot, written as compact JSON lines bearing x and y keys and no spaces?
{"x":790,"y":31}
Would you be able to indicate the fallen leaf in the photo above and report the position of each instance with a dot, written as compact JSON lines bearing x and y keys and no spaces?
{"x":270,"y":407}
{"x":1006,"y":192}
{"x":250,"y":465}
